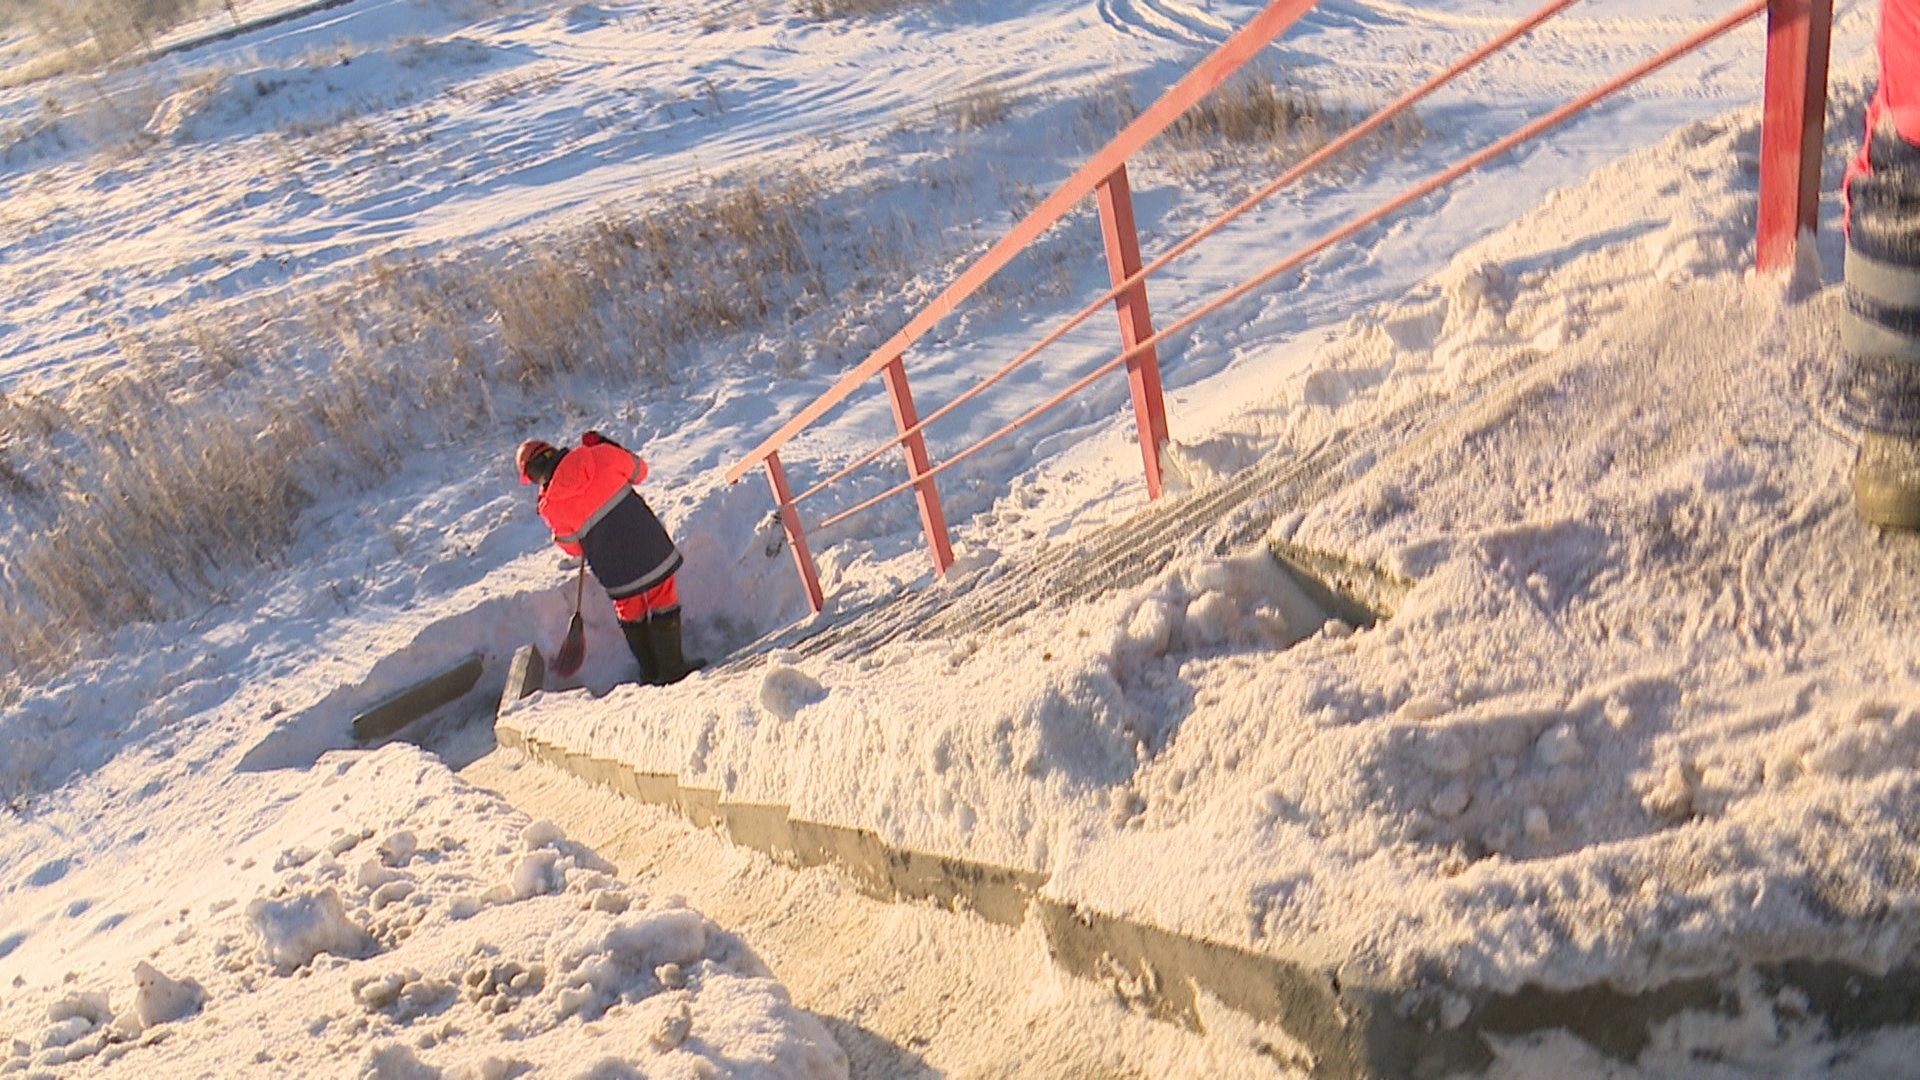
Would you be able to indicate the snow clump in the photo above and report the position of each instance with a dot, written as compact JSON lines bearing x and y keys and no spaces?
{"x":158,"y":999}
{"x":786,"y":690}
{"x":294,"y":930}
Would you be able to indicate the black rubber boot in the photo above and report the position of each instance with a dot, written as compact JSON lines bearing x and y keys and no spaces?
{"x":640,"y":640}
{"x":664,"y":631}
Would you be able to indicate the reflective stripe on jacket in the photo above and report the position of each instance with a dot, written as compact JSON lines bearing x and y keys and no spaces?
{"x":593,"y":511}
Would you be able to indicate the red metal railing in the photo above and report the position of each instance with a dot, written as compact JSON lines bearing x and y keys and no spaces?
{"x":1790,"y":173}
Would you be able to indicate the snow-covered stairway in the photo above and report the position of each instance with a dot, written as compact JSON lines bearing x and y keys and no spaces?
{"x":1223,"y":517}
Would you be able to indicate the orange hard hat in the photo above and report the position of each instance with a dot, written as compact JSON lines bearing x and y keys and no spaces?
{"x":524,"y":456}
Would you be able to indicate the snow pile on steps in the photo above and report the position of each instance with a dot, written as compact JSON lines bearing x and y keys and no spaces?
{"x":1651,"y":710}
{"x":482,"y":950}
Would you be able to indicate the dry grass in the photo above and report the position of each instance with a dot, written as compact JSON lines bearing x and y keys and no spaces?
{"x":16,"y":794}
{"x":851,"y":9}
{"x":978,"y":106}
{"x":13,"y":481}
{"x":54,"y":62}
{"x":510,"y":85}
{"x":1102,"y":114}
{"x":148,"y":499}
{"x":1253,"y":112}
{"x":172,"y":501}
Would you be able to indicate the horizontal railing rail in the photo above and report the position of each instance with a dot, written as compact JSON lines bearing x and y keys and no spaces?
{"x":1795,"y":97}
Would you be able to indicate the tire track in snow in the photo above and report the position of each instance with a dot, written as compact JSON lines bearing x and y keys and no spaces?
{"x":1377,"y":15}
{"x":1164,"y":20}
{"x":1170,"y":20}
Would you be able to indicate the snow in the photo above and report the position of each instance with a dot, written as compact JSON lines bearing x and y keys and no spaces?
{"x":1649,"y":710}
{"x":365,"y":943}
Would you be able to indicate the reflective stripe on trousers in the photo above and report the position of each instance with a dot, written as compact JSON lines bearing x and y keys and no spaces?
{"x":660,"y":599}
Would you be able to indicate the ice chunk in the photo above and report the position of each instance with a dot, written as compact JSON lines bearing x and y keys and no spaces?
{"x":395,"y":1062}
{"x":91,"y":1007}
{"x":673,"y":1027}
{"x":1212,"y":619}
{"x":1151,"y":627}
{"x":373,"y":874}
{"x":65,"y":1032}
{"x":398,"y":849}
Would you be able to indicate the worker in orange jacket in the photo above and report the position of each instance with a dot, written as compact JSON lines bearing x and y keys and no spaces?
{"x":588,"y":500}
{"x":1880,"y":326}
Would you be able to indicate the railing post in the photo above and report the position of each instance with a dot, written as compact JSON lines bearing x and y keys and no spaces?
{"x":924,"y":491}
{"x":796,"y":536}
{"x":1793,"y":130}
{"x":1136,"y":321}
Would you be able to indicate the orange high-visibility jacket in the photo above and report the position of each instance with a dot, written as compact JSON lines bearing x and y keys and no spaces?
{"x":1899,"y":94}
{"x":1896,"y":103}
{"x":593,"y":510}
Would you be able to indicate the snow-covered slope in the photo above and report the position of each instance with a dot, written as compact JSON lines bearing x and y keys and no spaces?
{"x":1646,"y":712}
{"x":1643,"y":625}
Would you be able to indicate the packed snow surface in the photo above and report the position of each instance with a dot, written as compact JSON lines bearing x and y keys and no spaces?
{"x":1649,"y":708}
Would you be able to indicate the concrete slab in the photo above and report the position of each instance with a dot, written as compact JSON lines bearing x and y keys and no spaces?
{"x":626,"y":783}
{"x":600,"y":772}
{"x":659,"y":789}
{"x":859,"y":853}
{"x":762,"y":828}
{"x":700,"y":806}
{"x":995,"y":893}
{"x":418,"y":700}
{"x":525,"y":675}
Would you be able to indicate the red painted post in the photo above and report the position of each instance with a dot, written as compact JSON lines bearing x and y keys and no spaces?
{"x":796,"y":536}
{"x":1136,"y":321}
{"x":1793,"y":131}
{"x":925,"y":493}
